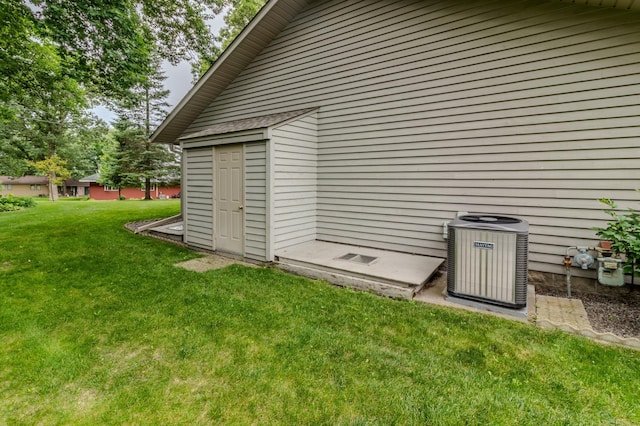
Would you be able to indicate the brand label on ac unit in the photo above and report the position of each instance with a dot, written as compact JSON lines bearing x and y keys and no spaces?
{"x":483,"y":245}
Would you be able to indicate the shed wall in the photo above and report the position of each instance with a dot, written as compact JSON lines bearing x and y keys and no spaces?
{"x":198,"y":197}
{"x":295,"y":182}
{"x":426,"y":108}
{"x":255,"y":219}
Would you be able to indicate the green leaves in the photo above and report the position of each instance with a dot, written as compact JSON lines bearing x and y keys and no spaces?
{"x":54,"y":167}
{"x":59,"y":56}
{"x":108,"y":44}
{"x":29,"y":63}
{"x":136,"y":159}
{"x":624,"y":233}
{"x":11,"y":203}
{"x":239,"y":15}
{"x":103,"y":44}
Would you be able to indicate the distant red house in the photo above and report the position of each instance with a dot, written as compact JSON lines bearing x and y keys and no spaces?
{"x":102,"y":192}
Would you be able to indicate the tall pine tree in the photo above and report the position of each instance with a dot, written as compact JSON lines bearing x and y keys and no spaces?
{"x":136,"y":159}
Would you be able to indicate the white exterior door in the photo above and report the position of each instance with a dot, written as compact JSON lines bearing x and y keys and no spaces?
{"x":229,"y":211}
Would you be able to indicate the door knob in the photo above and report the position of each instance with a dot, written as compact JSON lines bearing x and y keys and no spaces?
{"x":241,"y":207}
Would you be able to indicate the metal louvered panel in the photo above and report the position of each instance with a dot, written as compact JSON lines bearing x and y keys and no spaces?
{"x":487,"y":265}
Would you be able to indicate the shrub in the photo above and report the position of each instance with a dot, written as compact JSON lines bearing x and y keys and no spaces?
{"x":623,"y":230}
{"x":11,"y":203}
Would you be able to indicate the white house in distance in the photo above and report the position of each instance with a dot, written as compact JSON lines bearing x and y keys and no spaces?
{"x":373,"y":122}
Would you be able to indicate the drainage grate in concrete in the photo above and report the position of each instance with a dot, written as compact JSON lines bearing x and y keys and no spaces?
{"x":358,"y":258}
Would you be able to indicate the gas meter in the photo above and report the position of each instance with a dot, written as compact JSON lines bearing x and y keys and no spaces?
{"x":610,"y":271}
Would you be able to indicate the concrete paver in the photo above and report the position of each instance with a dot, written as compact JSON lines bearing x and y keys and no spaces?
{"x":210,"y":262}
{"x":560,"y":310}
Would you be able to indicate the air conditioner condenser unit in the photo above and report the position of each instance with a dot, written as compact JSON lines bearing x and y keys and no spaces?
{"x":487,"y":259}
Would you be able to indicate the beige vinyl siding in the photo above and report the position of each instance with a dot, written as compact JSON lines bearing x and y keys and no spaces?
{"x":25,"y":190}
{"x":255,"y":245}
{"x":295,"y":182}
{"x":198,"y":198}
{"x":427,"y":108}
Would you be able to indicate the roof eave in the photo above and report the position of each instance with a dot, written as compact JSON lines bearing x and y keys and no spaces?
{"x":247,"y":45}
{"x":260,"y":123}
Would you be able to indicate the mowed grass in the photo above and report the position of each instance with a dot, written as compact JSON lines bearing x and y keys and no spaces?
{"x":98,"y":327}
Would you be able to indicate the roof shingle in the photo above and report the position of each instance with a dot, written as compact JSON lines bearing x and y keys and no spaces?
{"x":261,"y":122}
{"x":24,"y":180}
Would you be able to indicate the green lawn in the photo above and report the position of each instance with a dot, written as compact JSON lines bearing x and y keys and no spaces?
{"x":98,"y":327}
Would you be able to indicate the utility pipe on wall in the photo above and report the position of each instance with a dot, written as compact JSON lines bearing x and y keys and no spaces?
{"x":582,"y":259}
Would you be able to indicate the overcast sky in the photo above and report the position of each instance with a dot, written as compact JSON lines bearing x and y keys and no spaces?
{"x":178,"y":82}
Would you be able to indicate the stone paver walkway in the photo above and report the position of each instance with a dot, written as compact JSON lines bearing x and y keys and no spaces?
{"x":569,"y":315}
{"x":560,"y":310}
{"x":545,"y":311}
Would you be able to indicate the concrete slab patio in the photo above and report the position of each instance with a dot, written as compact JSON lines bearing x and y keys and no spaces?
{"x":384,"y":272}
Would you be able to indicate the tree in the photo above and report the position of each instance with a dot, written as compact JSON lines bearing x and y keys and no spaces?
{"x":107,"y":44}
{"x":136,"y":159}
{"x":87,"y":140}
{"x":25,"y":58}
{"x":146,"y":102}
{"x":54,"y":168}
{"x":44,"y":123}
{"x":59,"y":56}
{"x":239,"y":14}
{"x":120,"y":167}
{"x":81,"y":141}
{"x":40,"y":103}
{"x":104,"y":46}
{"x":15,"y":150}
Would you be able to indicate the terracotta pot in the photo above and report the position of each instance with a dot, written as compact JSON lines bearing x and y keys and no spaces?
{"x":605,"y":244}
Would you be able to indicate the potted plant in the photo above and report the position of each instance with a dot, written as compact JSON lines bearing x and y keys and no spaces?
{"x":605,"y":245}
{"x":623,"y":233}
